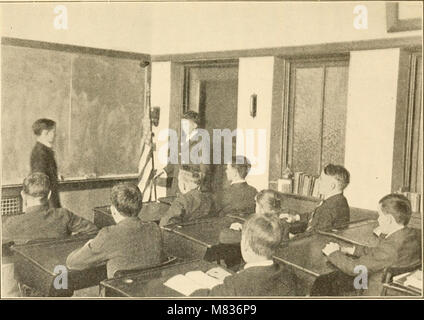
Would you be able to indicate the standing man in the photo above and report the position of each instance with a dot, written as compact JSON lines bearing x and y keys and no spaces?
{"x":189,"y":138}
{"x":43,"y":157}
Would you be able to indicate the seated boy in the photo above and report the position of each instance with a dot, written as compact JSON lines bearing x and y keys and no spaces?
{"x":260,"y":276}
{"x":239,"y":197}
{"x":334,"y":211}
{"x":398,"y":246}
{"x":130,"y":244}
{"x":191,"y":202}
{"x":268,"y":203}
{"x":38,"y":221}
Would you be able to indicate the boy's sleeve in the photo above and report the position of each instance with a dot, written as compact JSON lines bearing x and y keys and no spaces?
{"x":78,"y":225}
{"x":177,"y":208}
{"x":375,"y":259}
{"x":91,"y":254}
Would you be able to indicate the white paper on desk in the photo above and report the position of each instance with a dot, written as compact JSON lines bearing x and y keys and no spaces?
{"x":203,"y":279}
{"x":218,"y":273}
{"x":236,"y":226}
{"x":415,"y":280}
{"x":191,"y":281}
{"x":182,"y":284}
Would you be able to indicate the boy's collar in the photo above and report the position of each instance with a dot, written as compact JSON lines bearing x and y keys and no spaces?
{"x":44,"y":143}
{"x":332,"y":194}
{"x":190,"y":135}
{"x":37,"y":208}
{"x":263,"y":263}
{"x":395,"y":229}
{"x":238,"y":181}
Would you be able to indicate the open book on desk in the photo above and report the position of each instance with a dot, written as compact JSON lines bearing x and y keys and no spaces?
{"x":195,"y":280}
{"x":411,"y":279}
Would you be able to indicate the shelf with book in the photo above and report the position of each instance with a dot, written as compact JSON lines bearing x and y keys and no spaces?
{"x":298,"y":184}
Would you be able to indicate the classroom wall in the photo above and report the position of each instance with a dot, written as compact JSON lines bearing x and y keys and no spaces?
{"x":115,"y":26}
{"x":215,"y":26}
{"x":163,"y":28}
{"x":256,"y":77}
{"x":370,"y":124}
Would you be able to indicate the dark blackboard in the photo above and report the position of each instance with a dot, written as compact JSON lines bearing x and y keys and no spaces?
{"x":97,"y":102}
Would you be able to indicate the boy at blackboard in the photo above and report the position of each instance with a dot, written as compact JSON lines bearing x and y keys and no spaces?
{"x":43,"y":157}
{"x":192,"y":202}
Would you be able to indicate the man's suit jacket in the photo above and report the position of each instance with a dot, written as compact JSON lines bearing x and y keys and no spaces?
{"x":40,"y":222}
{"x":402,"y":248}
{"x":172,"y":169}
{"x":238,"y":198}
{"x":272,"y":280}
{"x":43,"y":160}
{"x":190,"y":206}
{"x":130,"y":244}
{"x":332,"y":213}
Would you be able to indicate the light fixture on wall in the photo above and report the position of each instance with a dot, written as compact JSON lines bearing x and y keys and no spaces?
{"x":155,"y":115}
{"x":253,"y":105}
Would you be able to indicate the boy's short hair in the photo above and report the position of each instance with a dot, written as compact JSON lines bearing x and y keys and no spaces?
{"x":339,"y":173}
{"x":37,"y":185}
{"x":398,"y":206}
{"x":42,"y":124}
{"x":242,"y":165}
{"x":269,"y":200}
{"x":193,"y":116}
{"x":262,"y":234}
{"x":127,"y":199}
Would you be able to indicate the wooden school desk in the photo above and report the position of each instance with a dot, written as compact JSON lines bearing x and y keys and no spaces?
{"x":150,"y":283}
{"x":151,"y":211}
{"x":192,"y":240}
{"x":35,"y":265}
{"x":398,"y":288}
{"x":102,"y":217}
{"x":304,"y":254}
{"x":358,"y":233}
{"x":305,"y":258}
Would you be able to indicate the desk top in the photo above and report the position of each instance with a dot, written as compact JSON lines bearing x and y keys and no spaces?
{"x":150,"y":283}
{"x":306,"y":254}
{"x":204,"y":231}
{"x":399,"y":283}
{"x":167,"y":200}
{"x":360,"y":233}
{"x":49,"y":254}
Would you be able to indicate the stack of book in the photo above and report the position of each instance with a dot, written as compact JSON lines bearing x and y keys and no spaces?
{"x":305,"y":185}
